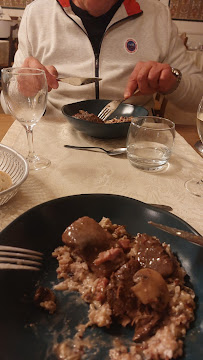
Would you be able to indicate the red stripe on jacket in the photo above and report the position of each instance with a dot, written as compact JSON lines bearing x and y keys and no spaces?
{"x":132,"y":6}
{"x":64,"y":3}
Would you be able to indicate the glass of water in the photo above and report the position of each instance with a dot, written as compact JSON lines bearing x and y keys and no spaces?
{"x":25,"y":92}
{"x":149,"y":142}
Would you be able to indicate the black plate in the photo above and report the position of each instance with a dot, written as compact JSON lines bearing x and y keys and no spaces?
{"x":28,"y":332}
{"x":103,"y":131}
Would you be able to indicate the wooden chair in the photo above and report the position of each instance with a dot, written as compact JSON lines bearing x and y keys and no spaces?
{"x":13,"y":44}
{"x":184,"y":38}
{"x":160,"y":103}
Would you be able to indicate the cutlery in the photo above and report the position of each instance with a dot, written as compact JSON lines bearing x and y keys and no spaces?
{"x":111,"y":107}
{"x":197,"y":239}
{"x":77,"y":81}
{"x":164,"y":207}
{"x":19,"y":259}
{"x":111,"y":152}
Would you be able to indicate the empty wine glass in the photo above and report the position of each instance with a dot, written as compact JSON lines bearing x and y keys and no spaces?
{"x":25,"y":92}
{"x":195,"y":185}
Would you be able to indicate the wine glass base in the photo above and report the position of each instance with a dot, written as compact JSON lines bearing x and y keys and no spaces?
{"x":195,"y":187}
{"x":38,"y":162}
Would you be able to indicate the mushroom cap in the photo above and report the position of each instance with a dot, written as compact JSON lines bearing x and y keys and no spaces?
{"x":151,"y":289}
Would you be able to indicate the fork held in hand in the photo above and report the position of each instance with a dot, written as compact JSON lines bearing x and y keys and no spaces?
{"x":19,"y":258}
{"x":111,"y":107}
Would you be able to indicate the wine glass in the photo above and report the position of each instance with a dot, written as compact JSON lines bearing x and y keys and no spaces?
{"x":25,"y":92}
{"x":195,"y":185}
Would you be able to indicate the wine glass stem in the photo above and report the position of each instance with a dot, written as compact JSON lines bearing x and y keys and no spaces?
{"x":29,"y":133}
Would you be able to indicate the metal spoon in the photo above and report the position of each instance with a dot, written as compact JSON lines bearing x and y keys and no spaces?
{"x":111,"y":152}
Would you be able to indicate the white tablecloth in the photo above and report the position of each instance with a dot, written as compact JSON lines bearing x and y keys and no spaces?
{"x":81,"y":172}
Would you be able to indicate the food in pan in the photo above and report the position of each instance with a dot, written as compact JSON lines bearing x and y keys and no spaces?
{"x":94,"y":118}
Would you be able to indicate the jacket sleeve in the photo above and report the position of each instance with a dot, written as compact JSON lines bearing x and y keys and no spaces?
{"x":189,"y":92}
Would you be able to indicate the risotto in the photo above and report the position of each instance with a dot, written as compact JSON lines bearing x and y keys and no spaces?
{"x":134,"y":280}
{"x":84,"y":115}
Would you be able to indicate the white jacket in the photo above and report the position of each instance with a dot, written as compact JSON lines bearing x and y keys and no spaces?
{"x":52,"y":33}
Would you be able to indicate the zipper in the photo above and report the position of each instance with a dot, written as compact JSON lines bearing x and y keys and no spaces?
{"x":97,"y":75}
{"x":96,"y":55}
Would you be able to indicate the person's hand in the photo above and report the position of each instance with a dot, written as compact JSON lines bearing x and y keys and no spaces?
{"x":50,"y":71}
{"x":150,"y":77}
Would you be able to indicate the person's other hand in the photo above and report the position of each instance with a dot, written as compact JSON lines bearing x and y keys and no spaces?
{"x":50,"y":71}
{"x":150,"y":77}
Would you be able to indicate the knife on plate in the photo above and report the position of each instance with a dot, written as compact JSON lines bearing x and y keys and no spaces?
{"x":78,"y":81}
{"x":197,"y":239}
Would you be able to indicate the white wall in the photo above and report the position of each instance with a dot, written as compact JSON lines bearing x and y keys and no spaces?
{"x":13,"y":12}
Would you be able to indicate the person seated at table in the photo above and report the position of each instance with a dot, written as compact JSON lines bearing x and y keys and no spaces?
{"x":127,"y":43}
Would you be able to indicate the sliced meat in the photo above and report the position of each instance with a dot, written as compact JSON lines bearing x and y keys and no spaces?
{"x":100,"y":290}
{"x":145,"y":321}
{"x":87,"y":238}
{"x":129,"y":303}
{"x":124,"y":243}
{"x":108,"y":261}
{"x":109,"y":255}
{"x":151,"y":254}
{"x":119,"y":295}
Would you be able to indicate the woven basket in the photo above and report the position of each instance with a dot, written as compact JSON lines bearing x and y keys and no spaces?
{"x":16,"y":166}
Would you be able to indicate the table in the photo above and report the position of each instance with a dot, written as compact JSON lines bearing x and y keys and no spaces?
{"x":5,"y":122}
{"x":81,"y":172}
{"x":189,"y":132}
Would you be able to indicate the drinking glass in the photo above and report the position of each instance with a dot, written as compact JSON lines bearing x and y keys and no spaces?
{"x":195,"y":185}
{"x":149,"y":142}
{"x":25,"y":92}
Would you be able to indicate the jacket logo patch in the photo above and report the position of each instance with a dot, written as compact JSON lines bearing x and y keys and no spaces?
{"x":131,"y":45}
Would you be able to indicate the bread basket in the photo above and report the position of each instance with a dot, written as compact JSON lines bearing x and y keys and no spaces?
{"x":16,"y":166}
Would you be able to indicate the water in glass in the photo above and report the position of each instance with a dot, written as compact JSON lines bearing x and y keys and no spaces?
{"x":150,"y":142}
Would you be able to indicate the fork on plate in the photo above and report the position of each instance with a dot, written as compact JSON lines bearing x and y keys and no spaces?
{"x":19,"y":259}
{"x":111,"y":107}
